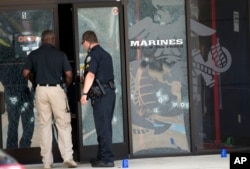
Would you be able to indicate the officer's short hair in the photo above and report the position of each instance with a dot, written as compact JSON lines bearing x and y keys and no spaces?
{"x":89,"y":36}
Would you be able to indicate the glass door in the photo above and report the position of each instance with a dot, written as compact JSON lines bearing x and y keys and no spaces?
{"x":106,"y":21}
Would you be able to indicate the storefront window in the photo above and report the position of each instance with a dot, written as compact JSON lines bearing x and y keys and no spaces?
{"x":158,"y":77}
{"x":20,"y":32}
{"x":219,"y":40}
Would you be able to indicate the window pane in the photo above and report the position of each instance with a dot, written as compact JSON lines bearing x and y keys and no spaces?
{"x":220,"y":54}
{"x":105,"y":22}
{"x":20,"y":34}
{"x":158,"y":77}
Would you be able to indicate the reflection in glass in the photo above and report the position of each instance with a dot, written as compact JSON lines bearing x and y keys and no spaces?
{"x":20,"y":34}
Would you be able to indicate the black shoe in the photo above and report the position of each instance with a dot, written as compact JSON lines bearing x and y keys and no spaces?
{"x":102,"y":164}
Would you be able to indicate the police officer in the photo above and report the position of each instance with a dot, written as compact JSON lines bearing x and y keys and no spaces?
{"x":99,"y":87}
{"x":48,"y":65}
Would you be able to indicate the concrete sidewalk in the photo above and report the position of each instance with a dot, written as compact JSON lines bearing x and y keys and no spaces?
{"x":182,"y":162}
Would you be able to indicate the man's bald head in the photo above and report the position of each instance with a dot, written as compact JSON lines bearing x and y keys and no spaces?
{"x":48,"y":36}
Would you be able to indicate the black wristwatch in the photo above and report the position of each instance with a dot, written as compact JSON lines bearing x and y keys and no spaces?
{"x":84,"y":93}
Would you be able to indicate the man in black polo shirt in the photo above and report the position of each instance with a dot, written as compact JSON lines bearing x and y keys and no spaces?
{"x":48,"y":65}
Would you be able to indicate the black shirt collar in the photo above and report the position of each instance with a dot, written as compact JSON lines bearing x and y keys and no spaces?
{"x":96,"y":46}
{"x":47,"y":44}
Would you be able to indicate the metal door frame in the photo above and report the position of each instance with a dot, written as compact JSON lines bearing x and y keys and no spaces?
{"x":121,"y":150}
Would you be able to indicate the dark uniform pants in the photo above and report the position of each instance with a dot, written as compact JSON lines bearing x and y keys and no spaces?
{"x":103,"y":110}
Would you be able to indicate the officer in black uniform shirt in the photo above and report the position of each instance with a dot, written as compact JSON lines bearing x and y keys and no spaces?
{"x":99,"y":87}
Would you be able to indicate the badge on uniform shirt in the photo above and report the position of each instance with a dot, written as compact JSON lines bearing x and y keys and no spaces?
{"x":88,"y":59}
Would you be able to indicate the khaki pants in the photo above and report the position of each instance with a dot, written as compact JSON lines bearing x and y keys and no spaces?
{"x":53,"y":99}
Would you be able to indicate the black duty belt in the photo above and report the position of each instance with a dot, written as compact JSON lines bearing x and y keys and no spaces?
{"x":48,"y":84}
{"x":106,"y":85}
{"x":111,"y":85}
